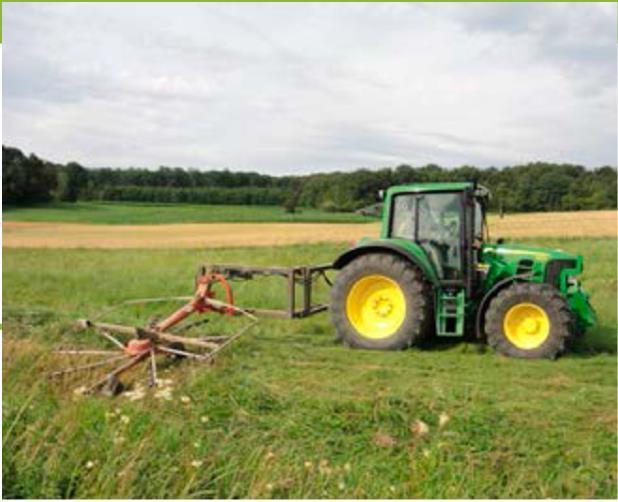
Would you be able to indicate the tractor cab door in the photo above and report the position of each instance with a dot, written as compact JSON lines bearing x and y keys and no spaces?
{"x":435,"y":221}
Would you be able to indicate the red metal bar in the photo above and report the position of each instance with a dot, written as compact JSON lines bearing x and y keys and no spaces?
{"x":182,"y":313}
{"x":200,"y":301}
{"x":207,"y":280}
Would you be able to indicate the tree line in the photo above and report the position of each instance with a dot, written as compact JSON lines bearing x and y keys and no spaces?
{"x":538,"y":186}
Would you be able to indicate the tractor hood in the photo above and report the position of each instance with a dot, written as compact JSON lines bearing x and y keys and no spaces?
{"x":553,"y":265}
{"x":516,"y":252}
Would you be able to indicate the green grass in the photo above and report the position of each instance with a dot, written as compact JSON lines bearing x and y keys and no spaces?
{"x":136,"y":213}
{"x":291,"y":413}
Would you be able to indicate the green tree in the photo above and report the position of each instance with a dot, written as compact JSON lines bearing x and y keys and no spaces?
{"x":291,"y":201}
{"x":72,"y":179}
{"x":25,"y":180}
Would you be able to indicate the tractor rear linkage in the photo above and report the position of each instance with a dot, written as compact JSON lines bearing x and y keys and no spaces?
{"x":305,"y":276}
{"x":145,"y":343}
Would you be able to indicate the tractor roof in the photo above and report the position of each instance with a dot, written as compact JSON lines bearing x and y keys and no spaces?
{"x":431,"y":187}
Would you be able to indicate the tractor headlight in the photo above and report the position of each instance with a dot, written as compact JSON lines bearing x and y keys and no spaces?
{"x":571,"y":280}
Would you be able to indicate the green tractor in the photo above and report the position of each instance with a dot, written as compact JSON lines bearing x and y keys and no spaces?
{"x":433,"y":272}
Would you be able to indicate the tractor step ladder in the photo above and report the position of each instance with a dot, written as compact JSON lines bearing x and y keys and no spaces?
{"x":450,"y":313}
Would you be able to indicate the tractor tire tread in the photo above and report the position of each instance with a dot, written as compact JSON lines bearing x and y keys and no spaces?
{"x":416,"y":289}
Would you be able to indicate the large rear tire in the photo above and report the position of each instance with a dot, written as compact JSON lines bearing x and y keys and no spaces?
{"x":528,"y":320}
{"x":380,"y":301}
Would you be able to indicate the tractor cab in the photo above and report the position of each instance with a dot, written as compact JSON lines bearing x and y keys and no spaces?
{"x":446,"y":220}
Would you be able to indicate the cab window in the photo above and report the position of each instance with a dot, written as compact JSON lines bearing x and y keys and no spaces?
{"x":403,"y":221}
{"x":433,"y":221}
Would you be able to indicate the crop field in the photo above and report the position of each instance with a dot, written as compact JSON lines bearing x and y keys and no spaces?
{"x":286,"y":412}
{"x":116,"y":213}
{"x":83,"y":235}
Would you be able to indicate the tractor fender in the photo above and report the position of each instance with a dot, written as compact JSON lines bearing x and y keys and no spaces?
{"x":493,"y":291}
{"x":385,"y":247}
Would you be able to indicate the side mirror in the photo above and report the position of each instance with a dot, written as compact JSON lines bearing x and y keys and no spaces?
{"x":380,"y":195}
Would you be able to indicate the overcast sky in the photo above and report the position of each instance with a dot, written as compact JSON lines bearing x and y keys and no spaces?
{"x":291,"y":88}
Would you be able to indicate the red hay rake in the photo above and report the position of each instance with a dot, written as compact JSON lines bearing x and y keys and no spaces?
{"x":134,"y":345}
{"x":144,"y":344}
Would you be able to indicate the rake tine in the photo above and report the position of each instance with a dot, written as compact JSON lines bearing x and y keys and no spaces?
{"x":75,"y":369}
{"x":78,"y":352}
{"x":117,"y":306}
{"x":180,"y":352}
{"x":220,"y":304}
{"x":153,"y":368}
{"x":112,"y":339}
{"x":189,"y":341}
{"x":153,"y":335}
{"x":121,"y":369}
{"x":182,"y":329}
{"x":214,"y":338}
{"x":141,"y":301}
{"x":230,"y":340}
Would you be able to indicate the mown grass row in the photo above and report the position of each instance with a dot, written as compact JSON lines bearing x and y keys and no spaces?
{"x":288,"y":413}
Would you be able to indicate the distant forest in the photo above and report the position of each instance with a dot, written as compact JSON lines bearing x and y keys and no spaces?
{"x":538,"y":186}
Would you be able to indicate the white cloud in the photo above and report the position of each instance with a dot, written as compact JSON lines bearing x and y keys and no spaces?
{"x":286,"y":88}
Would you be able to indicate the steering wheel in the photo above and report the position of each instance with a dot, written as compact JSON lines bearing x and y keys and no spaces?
{"x":432,"y":242}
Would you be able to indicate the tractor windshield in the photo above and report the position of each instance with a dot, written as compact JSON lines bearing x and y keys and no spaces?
{"x":433,"y":220}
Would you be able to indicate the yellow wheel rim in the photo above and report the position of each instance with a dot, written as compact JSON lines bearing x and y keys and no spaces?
{"x":526,"y":326}
{"x":375,"y":306}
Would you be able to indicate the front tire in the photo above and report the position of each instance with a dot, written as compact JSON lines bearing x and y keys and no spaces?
{"x":380,"y":301}
{"x":528,"y":320}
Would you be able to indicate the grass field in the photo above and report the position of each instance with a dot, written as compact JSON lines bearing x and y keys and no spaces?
{"x":285,"y":412}
{"x":112,"y":213}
